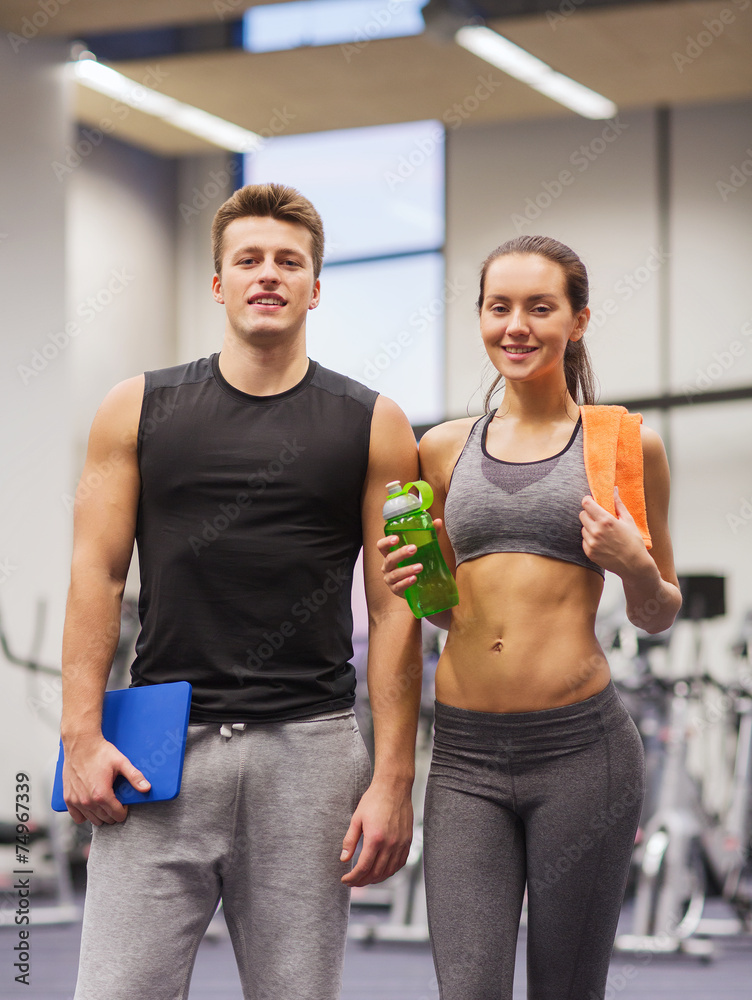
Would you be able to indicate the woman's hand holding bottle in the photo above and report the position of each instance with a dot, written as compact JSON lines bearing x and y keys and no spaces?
{"x":409,"y":525}
{"x":399,"y":578}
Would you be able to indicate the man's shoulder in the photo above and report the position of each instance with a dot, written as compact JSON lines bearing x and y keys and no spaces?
{"x":175,"y":375}
{"x":342,"y":385}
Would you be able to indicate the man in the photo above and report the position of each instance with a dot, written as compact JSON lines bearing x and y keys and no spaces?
{"x":248,"y":480}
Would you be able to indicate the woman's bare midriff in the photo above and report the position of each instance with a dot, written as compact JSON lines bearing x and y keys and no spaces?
{"x":522,"y":637}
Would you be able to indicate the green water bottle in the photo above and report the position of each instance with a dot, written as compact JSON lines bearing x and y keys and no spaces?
{"x":407,"y":516}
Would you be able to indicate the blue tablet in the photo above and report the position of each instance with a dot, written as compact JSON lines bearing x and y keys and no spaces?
{"x":149,"y":725}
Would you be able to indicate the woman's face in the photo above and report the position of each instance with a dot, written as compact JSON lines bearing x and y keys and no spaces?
{"x":526,"y":320}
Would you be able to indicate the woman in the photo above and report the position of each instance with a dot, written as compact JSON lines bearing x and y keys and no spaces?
{"x":537,"y":773}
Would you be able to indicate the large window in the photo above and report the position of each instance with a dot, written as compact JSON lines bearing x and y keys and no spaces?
{"x":380,"y":192}
{"x":271,"y":27}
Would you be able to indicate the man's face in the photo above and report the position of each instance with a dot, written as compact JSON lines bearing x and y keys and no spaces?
{"x":266,"y":284}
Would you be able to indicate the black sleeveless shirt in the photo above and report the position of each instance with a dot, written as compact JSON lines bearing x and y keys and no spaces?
{"x":249,"y":525}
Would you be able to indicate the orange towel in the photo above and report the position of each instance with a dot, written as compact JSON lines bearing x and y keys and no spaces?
{"x":613,"y":457}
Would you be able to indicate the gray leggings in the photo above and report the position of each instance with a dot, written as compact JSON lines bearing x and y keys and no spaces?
{"x":551,"y":799}
{"x":258,"y":823}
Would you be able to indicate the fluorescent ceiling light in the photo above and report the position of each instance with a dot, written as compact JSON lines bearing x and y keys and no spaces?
{"x":507,"y":56}
{"x":221,"y":133}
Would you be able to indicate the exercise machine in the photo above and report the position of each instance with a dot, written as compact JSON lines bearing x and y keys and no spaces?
{"x":682,"y":843}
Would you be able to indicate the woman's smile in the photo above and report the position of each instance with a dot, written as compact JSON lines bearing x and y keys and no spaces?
{"x":514,"y":350}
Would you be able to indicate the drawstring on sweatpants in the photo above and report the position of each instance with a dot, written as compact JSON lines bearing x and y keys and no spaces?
{"x":226,"y":731}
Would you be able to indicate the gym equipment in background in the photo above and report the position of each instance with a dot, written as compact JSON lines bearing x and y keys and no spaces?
{"x":679,"y":850}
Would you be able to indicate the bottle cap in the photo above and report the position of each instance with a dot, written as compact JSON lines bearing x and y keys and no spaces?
{"x":402,"y":501}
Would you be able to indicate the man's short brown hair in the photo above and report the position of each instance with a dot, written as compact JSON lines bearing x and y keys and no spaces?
{"x":269,"y":201}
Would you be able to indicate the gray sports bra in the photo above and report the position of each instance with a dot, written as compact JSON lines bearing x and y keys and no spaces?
{"x":496,"y":506}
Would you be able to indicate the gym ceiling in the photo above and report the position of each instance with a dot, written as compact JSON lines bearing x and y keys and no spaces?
{"x":638,"y":54}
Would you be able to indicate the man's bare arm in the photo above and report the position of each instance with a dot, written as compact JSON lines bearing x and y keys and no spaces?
{"x":104,"y":529}
{"x":384,"y":815}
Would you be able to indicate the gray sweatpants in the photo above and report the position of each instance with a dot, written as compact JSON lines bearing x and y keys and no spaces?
{"x":551,"y":799}
{"x":258,"y":823}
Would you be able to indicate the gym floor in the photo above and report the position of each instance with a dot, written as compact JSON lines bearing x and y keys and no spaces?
{"x":393,"y":972}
